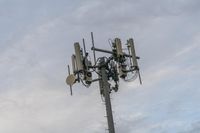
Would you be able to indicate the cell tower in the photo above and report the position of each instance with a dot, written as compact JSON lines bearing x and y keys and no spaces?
{"x":119,"y":64}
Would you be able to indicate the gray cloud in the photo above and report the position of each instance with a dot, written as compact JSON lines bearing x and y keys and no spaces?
{"x":195,"y":127}
{"x":36,"y":42}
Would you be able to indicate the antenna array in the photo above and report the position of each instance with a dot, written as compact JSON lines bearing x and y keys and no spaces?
{"x":118,"y":65}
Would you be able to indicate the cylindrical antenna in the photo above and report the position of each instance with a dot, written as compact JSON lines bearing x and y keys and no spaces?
{"x":134,"y":58}
{"x":68,"y":69}
{"x":118,"y":46}
{"x":129,"y":53}
{"x":74,"y":68}
{"x":84,"y":47}
{"x":86,"y":54}
{"x":93,"y":47}
{"x":70,"y":85}
{"x":79,"y":58}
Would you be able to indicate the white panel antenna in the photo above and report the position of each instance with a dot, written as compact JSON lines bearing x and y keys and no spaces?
{"x":118,"y":47}
{"x":133,"y":54}
{"x":74,"y":67}
{"x":79,"y":56}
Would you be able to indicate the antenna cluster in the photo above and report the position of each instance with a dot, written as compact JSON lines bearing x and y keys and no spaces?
{"x":122,"y":63}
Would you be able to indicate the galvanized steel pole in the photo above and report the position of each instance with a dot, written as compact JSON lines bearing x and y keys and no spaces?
{"x":105,"y":88}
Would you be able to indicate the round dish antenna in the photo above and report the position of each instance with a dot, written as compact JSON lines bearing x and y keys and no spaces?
{"x":71,"y":79}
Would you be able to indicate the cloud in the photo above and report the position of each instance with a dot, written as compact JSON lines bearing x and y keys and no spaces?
{"x":35,"y":52}
{"x":195,"y":127}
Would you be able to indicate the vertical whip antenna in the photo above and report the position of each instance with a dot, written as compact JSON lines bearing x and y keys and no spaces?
{"x":139,"y":77}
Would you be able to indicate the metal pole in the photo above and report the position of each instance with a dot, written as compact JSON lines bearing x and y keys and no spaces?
{"x":105,"y":87}
{"x":110,"y":52}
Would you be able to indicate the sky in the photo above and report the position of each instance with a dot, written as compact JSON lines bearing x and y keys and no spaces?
{"x":36,"y":43}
